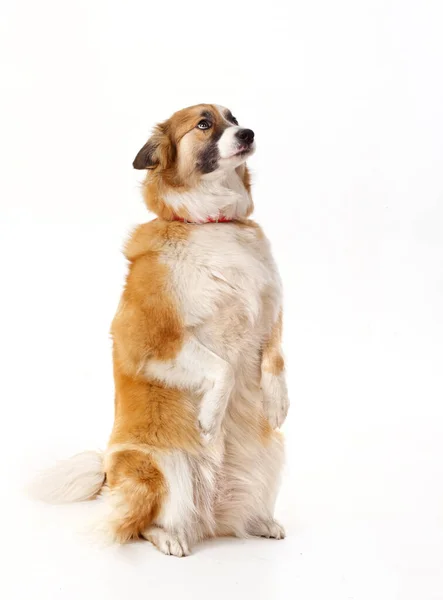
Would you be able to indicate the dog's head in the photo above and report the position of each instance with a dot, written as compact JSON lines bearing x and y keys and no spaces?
{"x":196,"y":146}
{"x":197,"y":140}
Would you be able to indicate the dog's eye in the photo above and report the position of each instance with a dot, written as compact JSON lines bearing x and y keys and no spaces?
{"x":204,"y":124}
{"x":234,"y":120}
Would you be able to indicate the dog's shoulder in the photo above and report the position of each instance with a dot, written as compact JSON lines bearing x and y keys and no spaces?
{"x":154,"y":236}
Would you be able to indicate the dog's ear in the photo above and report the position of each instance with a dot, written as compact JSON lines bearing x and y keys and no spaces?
{"x":146,"y":157}
{"x":158,"y":151}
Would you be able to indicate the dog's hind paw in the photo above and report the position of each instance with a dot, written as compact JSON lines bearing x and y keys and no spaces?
{"x":268,"y":528}
{"x":168,"y":543}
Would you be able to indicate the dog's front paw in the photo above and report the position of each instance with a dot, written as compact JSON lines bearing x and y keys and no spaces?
{"x":275,"y":398}
{"x":209,"y":426}
{"x":208,"y":435}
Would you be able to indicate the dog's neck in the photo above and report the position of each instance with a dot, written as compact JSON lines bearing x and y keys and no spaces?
{"x":222,"y":197}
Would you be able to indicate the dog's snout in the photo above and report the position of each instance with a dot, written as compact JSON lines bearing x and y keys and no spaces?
{"x":245,"y":135}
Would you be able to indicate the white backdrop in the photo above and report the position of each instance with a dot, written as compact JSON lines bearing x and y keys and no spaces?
{"x":346,"y":101}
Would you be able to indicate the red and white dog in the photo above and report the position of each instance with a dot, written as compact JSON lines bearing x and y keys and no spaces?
{"x":200,"y":388}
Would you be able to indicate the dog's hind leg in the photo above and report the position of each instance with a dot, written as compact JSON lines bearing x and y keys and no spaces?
{"x":151,"y":496}
{"x":137,"y":492}
{"x":174,"y":528}
{"x":261,"y":522}
{"x":250,"y":483}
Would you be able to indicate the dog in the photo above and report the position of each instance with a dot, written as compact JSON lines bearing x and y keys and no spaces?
{"x":200,"y":391}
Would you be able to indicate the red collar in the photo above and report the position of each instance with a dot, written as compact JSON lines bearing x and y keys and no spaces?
{"x":220,"y":219}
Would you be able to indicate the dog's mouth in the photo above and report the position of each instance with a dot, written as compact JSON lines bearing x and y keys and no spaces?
{"x":243,"y":150}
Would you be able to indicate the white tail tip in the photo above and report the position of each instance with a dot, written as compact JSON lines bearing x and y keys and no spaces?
{"x":78,"y":478}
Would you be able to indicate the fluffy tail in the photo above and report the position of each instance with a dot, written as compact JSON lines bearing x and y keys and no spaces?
{"x":73,"y":480}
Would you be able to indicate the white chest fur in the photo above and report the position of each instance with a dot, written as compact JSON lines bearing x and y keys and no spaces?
{"x":227,"y":285}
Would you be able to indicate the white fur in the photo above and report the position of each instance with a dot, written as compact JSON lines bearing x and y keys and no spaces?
{"x":177,"y":512}
{"x":206,"y":470}
{"x":275,"y":398}
{"x":219,"y":193}
{"x":228,"y":143}
{"x":173,"y":529}
{"x":73,"y":480}
{"x":220,"y":268}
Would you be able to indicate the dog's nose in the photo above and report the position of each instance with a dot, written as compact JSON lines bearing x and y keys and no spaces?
{"x":245,"y":135}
